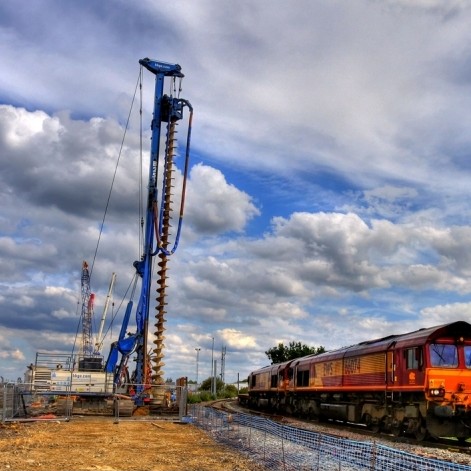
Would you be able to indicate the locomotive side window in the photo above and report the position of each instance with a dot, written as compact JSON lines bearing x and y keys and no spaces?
{"x":467,"y":356}
{"x":302,"y":378}
{"x":443,"y":355}
{"x":413,"y":358}
{"x":253,"y":381}
{"x":274,"y":382}
{"x":290,"y":373}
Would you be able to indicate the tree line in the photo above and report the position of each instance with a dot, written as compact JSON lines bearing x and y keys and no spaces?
{"x":293,"y":350}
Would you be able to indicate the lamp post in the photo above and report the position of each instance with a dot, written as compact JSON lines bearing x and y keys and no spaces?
{"x":197,"y":361}
{"x":213,"y":386}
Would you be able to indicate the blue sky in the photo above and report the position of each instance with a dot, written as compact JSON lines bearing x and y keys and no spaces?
{"x":328,"y":199}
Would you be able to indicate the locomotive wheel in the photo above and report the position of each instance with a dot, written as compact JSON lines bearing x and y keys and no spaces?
{"x":310,"y":414}
{"x":372,"y":425}
{"x":375,"y":427}
{"x":397,"y":430}
{"x":421,"y":433}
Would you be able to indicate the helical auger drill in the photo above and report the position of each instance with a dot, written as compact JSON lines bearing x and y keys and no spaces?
{"x":163,"y":225}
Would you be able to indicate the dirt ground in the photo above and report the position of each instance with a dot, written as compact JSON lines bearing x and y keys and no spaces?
{"x":100,"y":444}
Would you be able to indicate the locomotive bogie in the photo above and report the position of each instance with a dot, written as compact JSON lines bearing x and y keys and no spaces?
{"x":418,"y":383}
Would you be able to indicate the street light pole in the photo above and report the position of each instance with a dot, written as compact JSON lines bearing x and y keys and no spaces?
{"x":197,"y":361}
{"x":213,"y":386}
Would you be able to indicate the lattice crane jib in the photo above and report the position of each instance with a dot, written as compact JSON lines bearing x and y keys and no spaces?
{"x":87,"y":313}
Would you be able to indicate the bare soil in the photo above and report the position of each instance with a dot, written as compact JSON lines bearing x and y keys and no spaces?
{"x":100,"y":444}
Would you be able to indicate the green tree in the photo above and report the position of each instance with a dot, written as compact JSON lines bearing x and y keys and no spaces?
{"x":282,"y":353}
{"x":206,"y":385}
{"x":229,"y":391}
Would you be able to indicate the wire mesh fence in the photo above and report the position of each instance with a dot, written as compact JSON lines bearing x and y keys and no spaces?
{"x":19,"y":403}
{"x":9,"y":401}
{"x":22,"y":402}
{"x":284,"y":448}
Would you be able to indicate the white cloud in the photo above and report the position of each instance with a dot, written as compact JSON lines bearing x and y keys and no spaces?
{"x":236,"y":339}
{"x":15,"y":355}
{"x":350,"y":133}
{"x":61,"y":314}
{"x":216,"y":206}
{"x":18,"y":355}
{"x":24,"y":301}
{"x":439,"y":314}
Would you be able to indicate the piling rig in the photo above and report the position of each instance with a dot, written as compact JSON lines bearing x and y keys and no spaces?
{"x":148,"y":381}
{"x":84,"y":378}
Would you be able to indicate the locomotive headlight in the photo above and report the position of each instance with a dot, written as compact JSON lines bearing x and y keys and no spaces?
{"x":437,"y":392}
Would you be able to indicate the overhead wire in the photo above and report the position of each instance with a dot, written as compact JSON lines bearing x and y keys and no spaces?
{"x":114,"y":174}
{"x":78,"y":326}
{"x":138,"y":85}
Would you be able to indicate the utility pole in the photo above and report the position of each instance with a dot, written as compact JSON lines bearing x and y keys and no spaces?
{"x":223,"y":363}
{"x":215,"y":367}
{"x":197,"y":363}
{"x":213,"y":386}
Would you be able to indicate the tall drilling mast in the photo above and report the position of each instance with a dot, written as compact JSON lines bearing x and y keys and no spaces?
{"x":148,"y":378}
{"x":167,"y":109}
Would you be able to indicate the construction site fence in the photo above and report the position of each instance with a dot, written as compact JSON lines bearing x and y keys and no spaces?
{"x":281,"y":447}
{"x":10,"y":401}
{"x":20,"y":402}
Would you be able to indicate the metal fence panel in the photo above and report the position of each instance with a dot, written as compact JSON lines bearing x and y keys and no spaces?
{"x":281,"y":447}
{"x":28,"y":402}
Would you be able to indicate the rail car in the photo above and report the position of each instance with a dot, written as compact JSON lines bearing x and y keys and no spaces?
{"x":417,"y":383}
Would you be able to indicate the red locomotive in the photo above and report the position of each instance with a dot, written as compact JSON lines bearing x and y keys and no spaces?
{"x":417,"y":383}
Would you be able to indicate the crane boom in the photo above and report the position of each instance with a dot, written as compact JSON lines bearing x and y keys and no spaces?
{"x":99,"y":337}
{"x":87,"y":312}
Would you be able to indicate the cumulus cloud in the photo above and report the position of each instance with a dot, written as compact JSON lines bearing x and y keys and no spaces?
{"x":345,"y":246}
{"x":316,"y":260}
{"x":272,"y":283}
{"x":435,"y":315}
{"x":236,"y":339}
{"x":53,"y":160}
{"x":217,"y":206}
{"x":18,"y":355}
{"x":332,"y":174}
